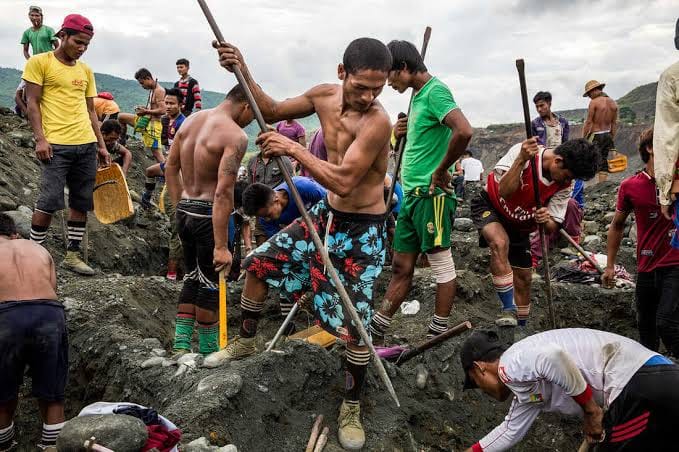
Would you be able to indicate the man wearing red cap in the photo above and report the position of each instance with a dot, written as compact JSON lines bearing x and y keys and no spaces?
{"x":68,"y":141}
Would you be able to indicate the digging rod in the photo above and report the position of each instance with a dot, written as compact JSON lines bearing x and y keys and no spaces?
{"x":401,"y":142}
{"x":584,"y":253}
{"x":223,"y":328}
{"x":434,"y":341}
{"x":344,"y":296}
{"x":536,"y":189}
{"x":285,"y":324}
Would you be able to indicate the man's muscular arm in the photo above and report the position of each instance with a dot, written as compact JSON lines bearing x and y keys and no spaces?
{"x":340,"y":179}
{"x":462,"y":133}
{"x":589,"y":122}
{"x":614,"y":122}
{"x":172,"y":166}
{"x":272,"y":110}
{"x":511,"y":180}
{"x":223,"y":202}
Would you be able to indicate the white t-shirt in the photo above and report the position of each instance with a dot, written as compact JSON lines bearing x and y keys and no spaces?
{"x":472,"y":168}
{"x":546,"y":370}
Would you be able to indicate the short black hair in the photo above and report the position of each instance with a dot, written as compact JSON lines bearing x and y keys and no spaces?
{"x":70,"y":31}
{"x":237,"y":94}
{"x":542,"y":95}
{"x":255,"y":197}
{"x":645,"y":141}
{"x":7,"y":225}
{"x":143,"y":73}
{"x":366,"y":53}
{"x":405,"y":55}
{"x":238,"y":190}
{"x":183,"y":61}
{"x":176,"y":92}
{"x":111,"y":125}
{"x":580,"y":157}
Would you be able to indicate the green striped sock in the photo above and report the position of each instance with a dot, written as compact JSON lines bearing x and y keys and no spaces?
{"x":183,"y":331}
{"x":208,"y":338}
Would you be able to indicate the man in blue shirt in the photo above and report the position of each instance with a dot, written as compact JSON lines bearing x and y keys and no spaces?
{"x":276,"y":208}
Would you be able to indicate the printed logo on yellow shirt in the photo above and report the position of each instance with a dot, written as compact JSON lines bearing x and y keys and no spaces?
{"x":78,"y":82}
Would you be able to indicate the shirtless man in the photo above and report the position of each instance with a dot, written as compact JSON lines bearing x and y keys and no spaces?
{"x":350,"y":220}
{"x":33,"y":334}
{"x":152,"y":130}
{"x":601,"y":124}
{"x":207,"y":150}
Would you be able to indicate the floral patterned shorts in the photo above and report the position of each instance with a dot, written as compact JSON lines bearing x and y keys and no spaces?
{"x":356,"y":245}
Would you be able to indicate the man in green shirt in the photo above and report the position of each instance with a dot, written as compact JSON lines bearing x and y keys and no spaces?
{"x":438,"y":134}
{"x":39,"y":36}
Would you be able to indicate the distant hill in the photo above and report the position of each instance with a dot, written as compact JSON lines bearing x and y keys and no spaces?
{"x":128,"y":93}
{"x":635,"y":106}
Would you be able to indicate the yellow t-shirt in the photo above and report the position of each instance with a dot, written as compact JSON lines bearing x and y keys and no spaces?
{"x":65,"y":119}
{"x":105,"y":107}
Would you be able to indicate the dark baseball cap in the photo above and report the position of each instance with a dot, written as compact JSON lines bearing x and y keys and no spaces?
{"x":78,"y":23}
{"x":477,"y":346}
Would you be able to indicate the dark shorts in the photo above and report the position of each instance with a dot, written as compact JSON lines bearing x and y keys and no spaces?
{"x":356,"y":245}
{"x":484,"y":213}
{"x":604,"y":142}
{"x":33,"y":334}
{"x":645,"y":415}
{"x":194,"y":226}
{"x":74,"y":167}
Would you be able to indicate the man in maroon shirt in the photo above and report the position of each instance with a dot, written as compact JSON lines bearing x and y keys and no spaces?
{"x":657,"y":293}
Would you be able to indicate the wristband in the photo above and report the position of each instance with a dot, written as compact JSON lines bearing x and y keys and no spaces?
{"x":477,"y":448}
{"x":584,"y":397}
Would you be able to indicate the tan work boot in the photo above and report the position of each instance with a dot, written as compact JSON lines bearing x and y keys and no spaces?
{"x":73,"y":262}
{"x":239,"y":347}
{"x":507,"y":319}
{"x":350,"y":434}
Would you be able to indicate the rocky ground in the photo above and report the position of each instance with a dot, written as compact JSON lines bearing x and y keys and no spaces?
{"x":124,"y":315}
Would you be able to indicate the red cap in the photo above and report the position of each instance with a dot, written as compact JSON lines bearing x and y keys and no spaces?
{"x":78,"y":23}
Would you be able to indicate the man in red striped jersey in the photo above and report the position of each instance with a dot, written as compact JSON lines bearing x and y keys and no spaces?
{"x":189,"y":87}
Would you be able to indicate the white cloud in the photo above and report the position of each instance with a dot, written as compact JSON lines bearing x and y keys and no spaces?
{"x":295,"y":44}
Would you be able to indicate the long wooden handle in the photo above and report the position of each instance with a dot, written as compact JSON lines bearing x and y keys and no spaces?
{"x":436,"y":340}
{"x":315,"y":430}
{"x":223,"y":327}
{"x":332,"y":272}
{"x":401,"y":142}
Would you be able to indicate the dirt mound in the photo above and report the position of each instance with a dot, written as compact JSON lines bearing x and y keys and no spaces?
{"x":137,"y":246}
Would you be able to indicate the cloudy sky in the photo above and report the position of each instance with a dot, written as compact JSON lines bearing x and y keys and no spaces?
{"x":294,"y":44}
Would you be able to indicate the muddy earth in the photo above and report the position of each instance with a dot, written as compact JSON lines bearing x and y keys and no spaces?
{"x":124,"y":315}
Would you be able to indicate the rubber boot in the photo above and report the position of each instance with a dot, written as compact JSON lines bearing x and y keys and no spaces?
{"x":350,"y":434}
{"x":73,"y":262}
{"x":239,"y":347}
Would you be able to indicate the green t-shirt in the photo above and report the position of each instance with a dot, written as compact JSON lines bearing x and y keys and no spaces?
{"x":41,"y":40}
{"x":428,"y":137}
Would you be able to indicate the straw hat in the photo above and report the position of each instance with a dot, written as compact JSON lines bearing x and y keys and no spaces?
{"x":592,"y":84}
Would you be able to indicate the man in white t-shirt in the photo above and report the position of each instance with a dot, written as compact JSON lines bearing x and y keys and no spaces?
{"x":627,"y":394}
{"x":473,"y":174}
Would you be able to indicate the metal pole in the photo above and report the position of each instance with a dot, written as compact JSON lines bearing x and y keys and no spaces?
{"x":344,"y":296}
{"x":538,"y":204}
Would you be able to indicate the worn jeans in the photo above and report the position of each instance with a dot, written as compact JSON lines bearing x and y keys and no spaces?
{"x":657,"y":301}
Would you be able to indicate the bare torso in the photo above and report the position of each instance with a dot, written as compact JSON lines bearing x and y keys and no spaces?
{"x":605,"y":112}
{"x":204,"y":137}
{"x":339,"y":131}
{"x":157,"y":98}
{"x":26,"y":271}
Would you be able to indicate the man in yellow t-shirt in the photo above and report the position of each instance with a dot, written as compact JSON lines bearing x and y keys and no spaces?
{"x":60,"y":90}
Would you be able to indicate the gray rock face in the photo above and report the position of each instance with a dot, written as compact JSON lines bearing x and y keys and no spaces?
{"x":590,"y":227}
{"x":463,"y":224}
{"x":117,"y":432}
{"x":228,"y":384}
{"x":592,"y":241}
{"x":23,"y":222}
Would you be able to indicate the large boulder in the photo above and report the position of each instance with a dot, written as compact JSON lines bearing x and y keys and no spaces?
{"x":117,"y":432}
{"x":23,"y":222}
